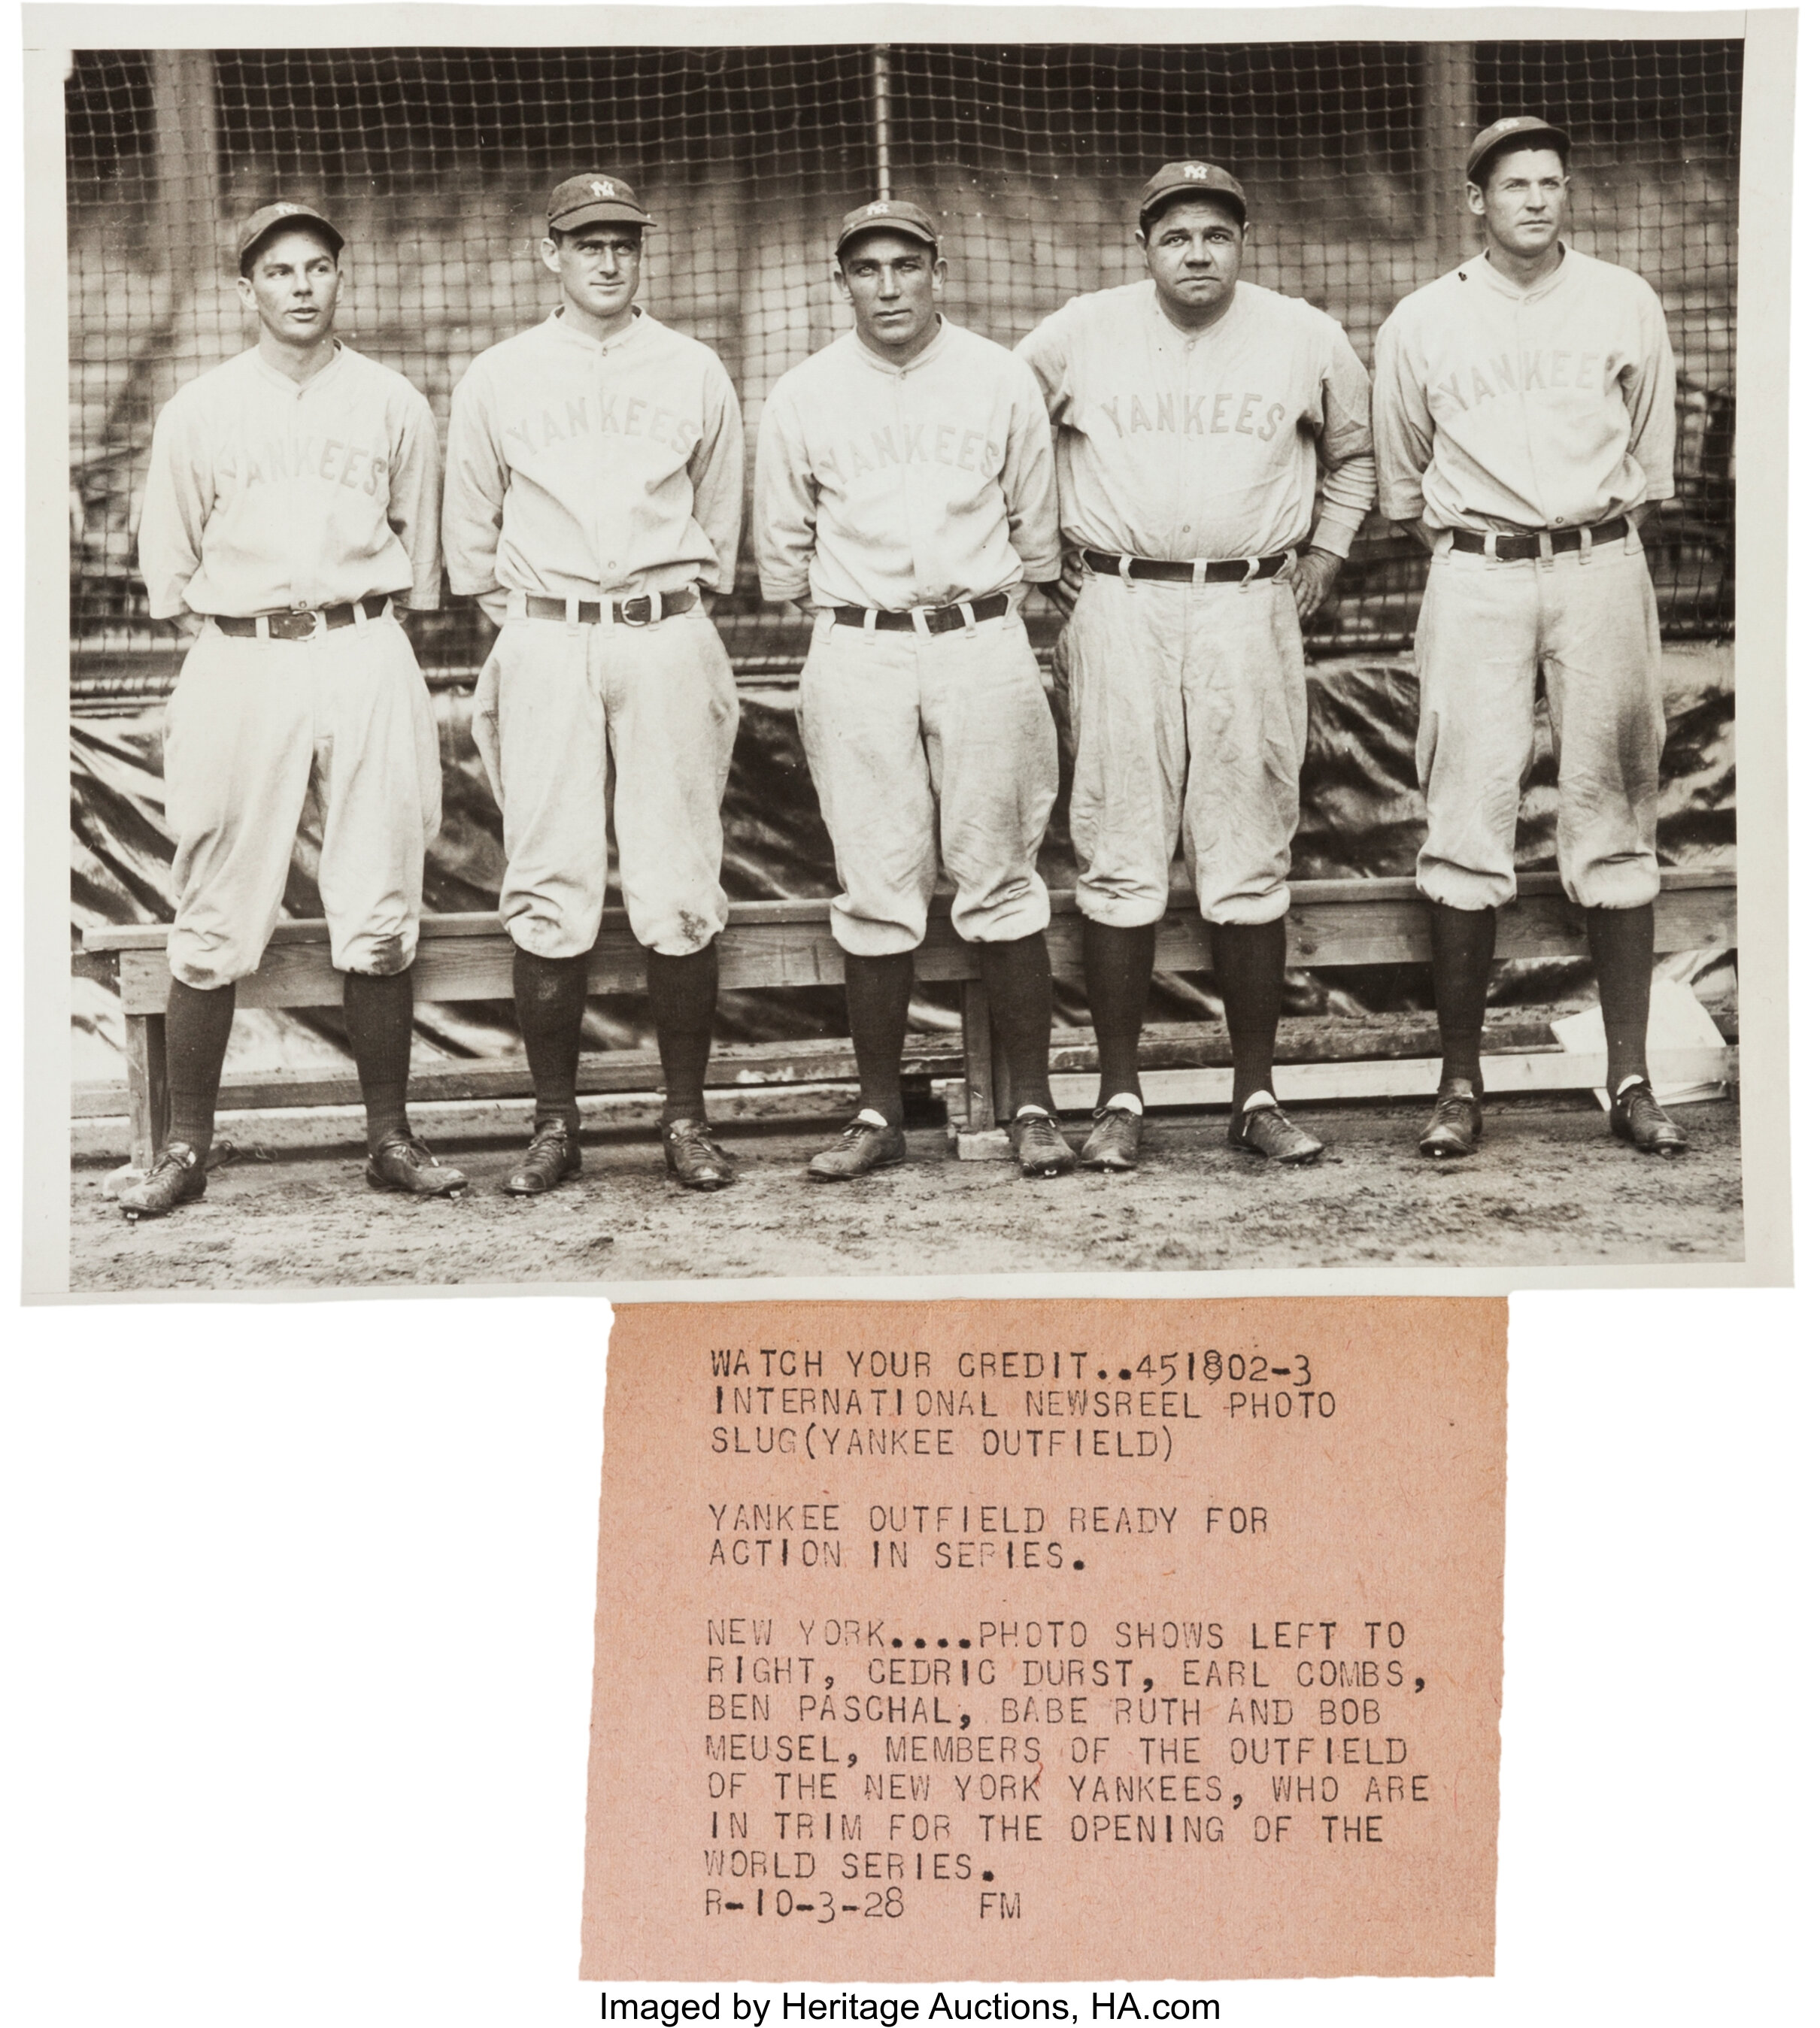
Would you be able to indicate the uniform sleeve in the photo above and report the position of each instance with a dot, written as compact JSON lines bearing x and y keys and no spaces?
{"x":1343,"y":442}
{"x":1649,"y":388}
{"x":718,"y":470}
{"x":415,"y":502}
{"x":783,"y":503}
{"x":1029,"y":480}
{"x":1403,"y":428}
{"x":474,"y":494}
{"x":1045,"y":352}
{"x":179,"y":491}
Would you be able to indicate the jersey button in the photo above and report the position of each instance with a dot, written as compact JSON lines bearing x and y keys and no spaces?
{"x":1559,"y":518}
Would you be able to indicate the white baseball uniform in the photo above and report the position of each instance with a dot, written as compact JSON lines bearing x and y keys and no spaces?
{"x":266,"y":497}
{"x":1548,"y":412}
{"x":1187,"y":704}
{"x":888,"y":488}
{"x":600,"y":473}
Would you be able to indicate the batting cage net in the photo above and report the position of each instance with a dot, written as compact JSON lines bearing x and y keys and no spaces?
{"x":436,"y":164}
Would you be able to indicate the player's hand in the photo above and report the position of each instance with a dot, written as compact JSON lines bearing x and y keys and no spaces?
{"x":1065,"y":590}
{"x":1311,"y":579}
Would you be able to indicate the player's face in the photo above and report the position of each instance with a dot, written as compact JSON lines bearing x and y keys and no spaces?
{"x":292,"y":285}
{"x":598,"y":266}
{"x":1523,"y":201}
{"x":1193,"y":251}
{"x":895,"y":285}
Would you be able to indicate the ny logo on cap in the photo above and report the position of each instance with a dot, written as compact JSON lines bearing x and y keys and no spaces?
{"x":878,"y":204}
{"x":604,"y":186}
{"x":1197,"y":170}
{"x":288,"y":209}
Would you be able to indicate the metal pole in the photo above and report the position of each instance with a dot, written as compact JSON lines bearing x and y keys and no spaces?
{"x":881,"y":117}
{"x":1452,"y":118}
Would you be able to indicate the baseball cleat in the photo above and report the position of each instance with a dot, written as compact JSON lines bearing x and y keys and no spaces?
{"x":1267,"y":1131}
{"x":177,"y":1177}
{"x":1113,"y":1144}
{"x":1637,"y":1117}
{"x":864,"y":1144}
{"x":554,"y":1156}
{"x":402,"y":1162}
{"x":693,"y":1156}
{"x":1037,"y":1141}
{"x":1455,"y":1124}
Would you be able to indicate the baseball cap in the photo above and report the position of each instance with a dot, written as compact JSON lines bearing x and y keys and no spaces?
{"x":1502,"y":133}
{"x":269,"y":217}
{"x":1191,"y":179}
{"x":594,"y":199}
{"x":898,"y":214}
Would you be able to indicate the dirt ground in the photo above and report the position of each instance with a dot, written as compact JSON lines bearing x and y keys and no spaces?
{"x":1550,"y":1187}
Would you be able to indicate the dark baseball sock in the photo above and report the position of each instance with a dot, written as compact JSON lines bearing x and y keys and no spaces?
{"x":683,"y":991}
{"x":1248,"y":960}
{"x":551,"y":993}
{"x":1463,"y":941}
{"x":878,"y":998}
{"x":1117,"y":964}
{"x":1018,"y":994}
{"x":197,"y":1022}
{"x":1623,"y":946}
{"x":378,"y":1012}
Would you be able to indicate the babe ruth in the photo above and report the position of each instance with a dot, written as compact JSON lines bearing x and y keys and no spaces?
{"x":906,"y":495}
{"x":1525,"y":415}
{"x":596,"y":469}
{"x":291,"y":505}
{"x":1214,"y":450}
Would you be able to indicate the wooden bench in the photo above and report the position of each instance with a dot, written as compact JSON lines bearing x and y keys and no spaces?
{"x":1332,"y":924}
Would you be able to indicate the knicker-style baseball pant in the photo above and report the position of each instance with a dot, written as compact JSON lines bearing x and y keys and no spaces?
{"x":930,"y":750}
{"x":253,"y":730}
{"x":1187,"y":713}
{"x":576,"y":724}
{"x":1588,"y":623}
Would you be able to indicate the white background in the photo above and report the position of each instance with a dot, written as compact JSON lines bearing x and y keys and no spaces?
{"x":297,"y":1631}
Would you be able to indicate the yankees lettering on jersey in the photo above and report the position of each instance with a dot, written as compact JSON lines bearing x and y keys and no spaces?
{"x":578,"y":467}
{"x":1501,"y":407}
{"x":264,"y":494}
{"x":899,"y":486}
{"x":305,"y":463}
{"x":1202,"y":414}
{"x":585,"y":415}
{"x":920,"y":443}
{"x":1214,"y":443}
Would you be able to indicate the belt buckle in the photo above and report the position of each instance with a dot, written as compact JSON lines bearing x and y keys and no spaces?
{"x":651,"y":610}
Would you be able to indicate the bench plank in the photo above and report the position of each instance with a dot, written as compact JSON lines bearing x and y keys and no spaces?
{"x":788,"y":943}
{"x":1332,"y":923}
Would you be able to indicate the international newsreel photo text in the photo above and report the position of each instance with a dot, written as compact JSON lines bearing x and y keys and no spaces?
{"x":696,"y":664}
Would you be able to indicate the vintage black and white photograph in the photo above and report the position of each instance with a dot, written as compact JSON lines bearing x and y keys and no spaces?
{"x":823,"y":660}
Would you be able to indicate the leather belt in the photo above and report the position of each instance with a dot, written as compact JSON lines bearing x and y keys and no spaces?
{"x":640,"y":611}
{"x":1170,"y":571}
{"x":1503,"y":549}
{"x":300,"y":626}
{"x":936,"y":619}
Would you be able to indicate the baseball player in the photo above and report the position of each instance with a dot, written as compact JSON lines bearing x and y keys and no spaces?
{"x":596,"y":469}
{"x":905,"y":496}
{"x":290,"y":505}
{"x":1525,"y":419}
{"x":1214,"y":448}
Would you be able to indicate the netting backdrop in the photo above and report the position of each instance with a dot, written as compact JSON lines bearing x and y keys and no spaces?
{"x":436,"y":163}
